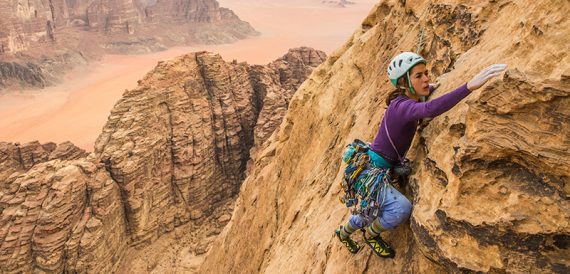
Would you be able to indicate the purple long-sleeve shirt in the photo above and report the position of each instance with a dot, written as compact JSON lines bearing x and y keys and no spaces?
{"x":403,"y":116}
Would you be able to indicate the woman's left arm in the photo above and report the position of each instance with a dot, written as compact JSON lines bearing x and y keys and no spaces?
{"x":413,"y":110}
{"x":420,"y":110}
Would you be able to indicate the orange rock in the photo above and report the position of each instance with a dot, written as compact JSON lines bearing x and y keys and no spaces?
{"x":490,"y":182}
{"x":172,"y":154}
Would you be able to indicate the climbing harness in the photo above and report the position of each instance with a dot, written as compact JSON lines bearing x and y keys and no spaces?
{"x":356,"y":156}
{"x":365,"y":185}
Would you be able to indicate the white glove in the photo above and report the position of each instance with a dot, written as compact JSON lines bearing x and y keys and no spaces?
{"x":485,"y":75}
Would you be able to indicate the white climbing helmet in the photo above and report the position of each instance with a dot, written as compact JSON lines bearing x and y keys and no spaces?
{"x":401,"y":64}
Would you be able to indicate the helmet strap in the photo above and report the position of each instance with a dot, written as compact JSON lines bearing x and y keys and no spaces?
{"x":412,"y":90}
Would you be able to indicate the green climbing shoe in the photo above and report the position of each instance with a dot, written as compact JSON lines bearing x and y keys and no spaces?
{"x":351,"y":245}
{"x":381,"y":248}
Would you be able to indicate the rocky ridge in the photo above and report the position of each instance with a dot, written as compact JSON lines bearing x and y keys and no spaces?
{"x":277,"y":83}
{"x":491,"y":177}
{"x":41,"y":39}
{"x":167,"y":165}
{"x":21,"y":158}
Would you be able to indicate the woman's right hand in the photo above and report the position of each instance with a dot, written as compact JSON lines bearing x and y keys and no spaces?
{"x":485,"y":75}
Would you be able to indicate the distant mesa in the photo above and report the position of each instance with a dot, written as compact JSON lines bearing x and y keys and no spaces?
{"x":40,"y":40}
{"x":338,"y":3}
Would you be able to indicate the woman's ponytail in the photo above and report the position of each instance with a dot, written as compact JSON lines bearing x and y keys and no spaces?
{"x":392,"y":95}
{"x":397,"y":92}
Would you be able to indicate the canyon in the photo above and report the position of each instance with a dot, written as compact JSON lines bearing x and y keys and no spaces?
{"x":213,"y":166}
{"x":76,"y":109}
{"x":41,"y":40}
{"x":173,"y":154}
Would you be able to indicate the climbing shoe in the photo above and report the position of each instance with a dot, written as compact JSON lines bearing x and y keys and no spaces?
{"x":351,"y":245}
{"x":381,"y":248}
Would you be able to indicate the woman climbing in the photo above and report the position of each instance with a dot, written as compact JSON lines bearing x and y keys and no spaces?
{"x":408,"y":73}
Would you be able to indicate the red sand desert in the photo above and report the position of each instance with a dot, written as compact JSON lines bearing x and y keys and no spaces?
{"x":77,"y":110}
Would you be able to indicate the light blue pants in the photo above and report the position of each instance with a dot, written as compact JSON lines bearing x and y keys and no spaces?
{"x":395,"y":210}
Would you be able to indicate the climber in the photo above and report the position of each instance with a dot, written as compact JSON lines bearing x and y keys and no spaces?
{"x":408,"y":73}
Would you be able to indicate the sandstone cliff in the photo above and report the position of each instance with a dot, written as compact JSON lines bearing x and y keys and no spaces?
{"x":18,"y":158}
{"x":277,"y":83}
{"x":491,"y":177}
{"x":60,"y":214}
{"x":40,"y":39}
{"x":189,"y":125}
{"x":170,"y":161}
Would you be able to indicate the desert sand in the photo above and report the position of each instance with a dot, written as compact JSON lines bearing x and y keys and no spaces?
{"x":77,"y":109}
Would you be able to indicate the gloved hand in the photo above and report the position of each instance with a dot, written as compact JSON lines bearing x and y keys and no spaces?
{"x":480,"y":79}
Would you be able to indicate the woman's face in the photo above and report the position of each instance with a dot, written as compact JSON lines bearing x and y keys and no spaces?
{"x":420,"y":79}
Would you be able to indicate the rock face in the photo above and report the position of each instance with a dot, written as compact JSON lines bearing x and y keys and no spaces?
{"x":491,"y":177}
{"x":189,"y":126}
{"x":31,"y":23}
{"x":276,"y":83}
{"x":170,"y":161}
{"x":25,"y":73}
{"x":20,"y":158}
{"x":35,"y":35}
{"x":61,"y":215}
{"x":54,"y":205}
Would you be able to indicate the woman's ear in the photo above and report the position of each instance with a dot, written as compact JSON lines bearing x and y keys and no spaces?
{"x":403,"y":84}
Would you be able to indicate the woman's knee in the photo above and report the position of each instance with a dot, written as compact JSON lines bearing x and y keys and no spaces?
{"x":406,"y":208}
{"x":356,"y":221}
{"x":398,"y":213}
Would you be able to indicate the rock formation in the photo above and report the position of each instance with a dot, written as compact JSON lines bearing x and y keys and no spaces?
{"x":61,"y":215}
{"x":38,"y":37}
{"x":170,"y":160}
{"x":338,"y":3}
{"x":20,"y":158}
{"x":29,"y":73}
{"x":491,"y":177}
{"x":276,"y":83}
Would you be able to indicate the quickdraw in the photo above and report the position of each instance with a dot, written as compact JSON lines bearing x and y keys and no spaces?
{"x":364,"y":185}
